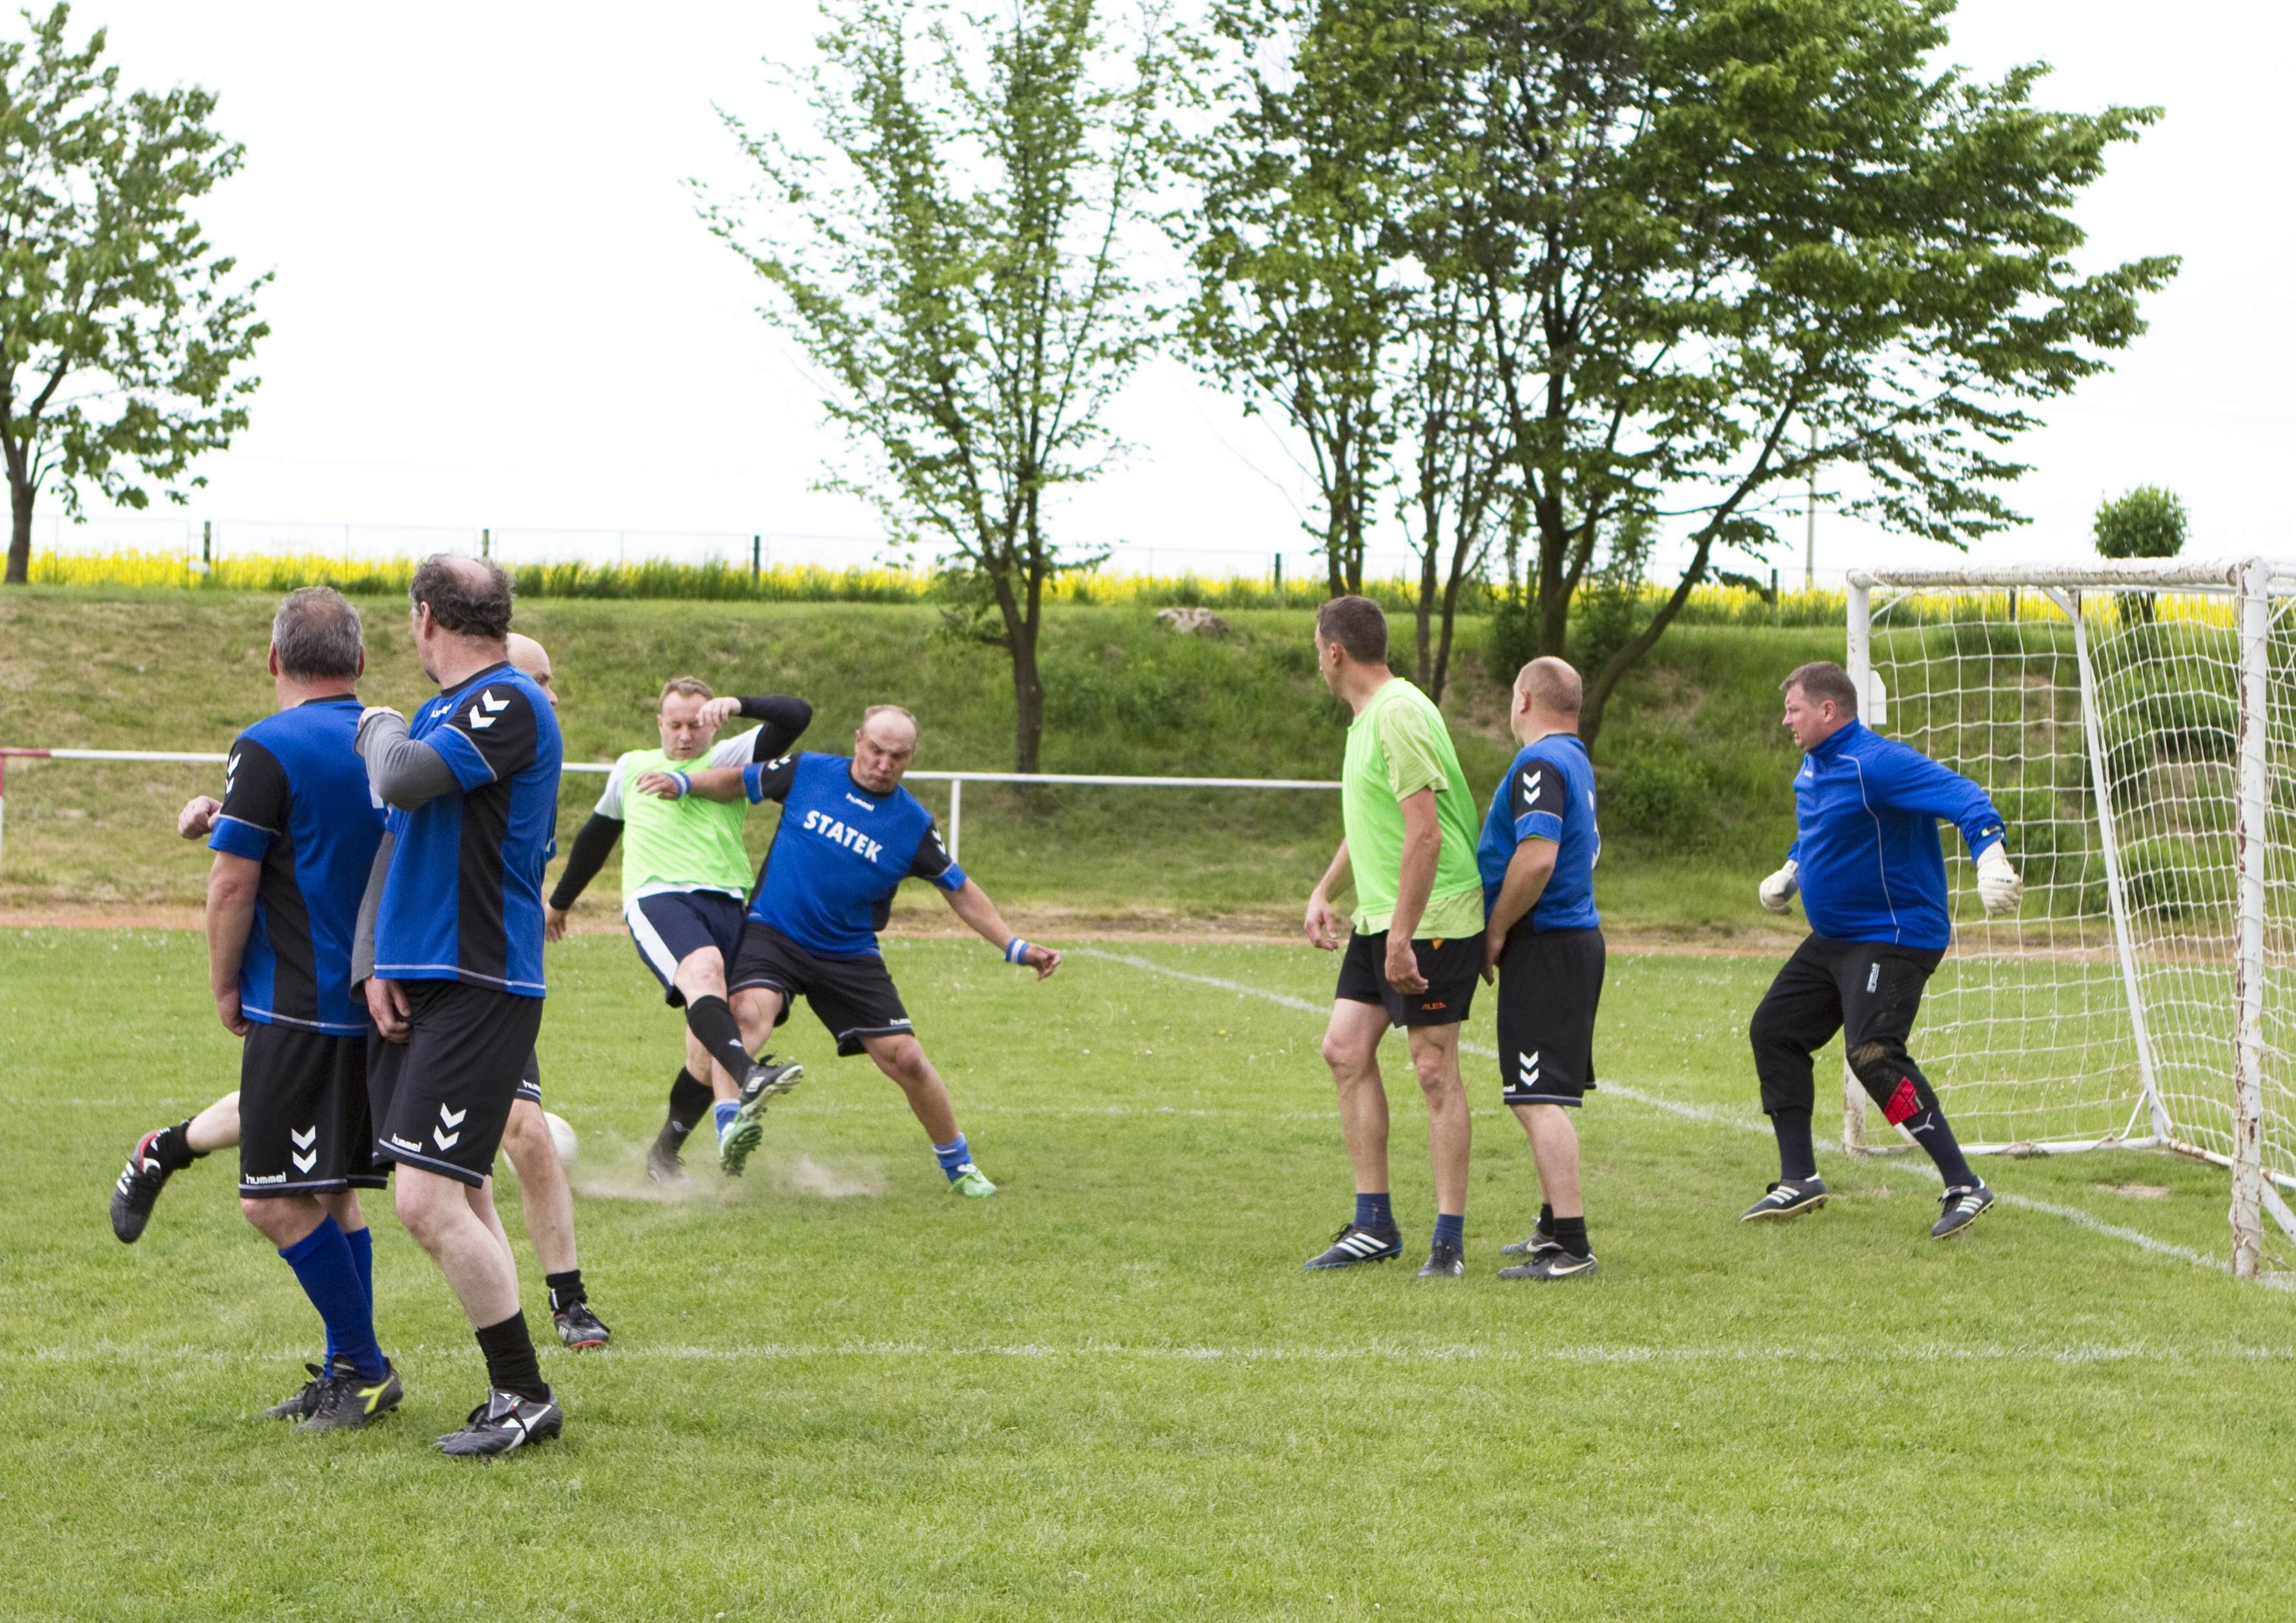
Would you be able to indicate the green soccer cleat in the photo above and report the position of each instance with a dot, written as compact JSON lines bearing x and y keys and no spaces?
{"x":742,"y":1135}
{"x":971,"y":1182}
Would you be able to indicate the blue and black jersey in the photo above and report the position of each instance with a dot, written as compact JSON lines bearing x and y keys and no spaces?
{"x":1866,"y":809}
{"x":463,"y":900}
{"x":295,"y":798}
{"x":1547,"y":794}
{"x":840,"y":854}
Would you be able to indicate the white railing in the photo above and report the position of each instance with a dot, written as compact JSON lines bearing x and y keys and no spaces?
{"x":957,"y":781}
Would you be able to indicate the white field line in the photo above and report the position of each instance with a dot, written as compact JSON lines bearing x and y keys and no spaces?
{"x":1713,"y":1118}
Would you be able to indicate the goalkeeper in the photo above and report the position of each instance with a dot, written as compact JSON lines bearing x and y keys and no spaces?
{"x":1871,"y":877}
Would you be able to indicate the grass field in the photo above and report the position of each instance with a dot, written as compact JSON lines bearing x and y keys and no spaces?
{"x":836,"y":1392}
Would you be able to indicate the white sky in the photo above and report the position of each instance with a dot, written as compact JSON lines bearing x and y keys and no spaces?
{"x":495,"y":304}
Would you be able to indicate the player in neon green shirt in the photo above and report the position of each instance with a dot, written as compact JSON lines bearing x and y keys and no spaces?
{"x":686,"y":882}
{"x":1414,"y":948}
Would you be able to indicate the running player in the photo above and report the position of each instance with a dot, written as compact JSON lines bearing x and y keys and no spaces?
{"x":293,"y":838}
{"x":848,"y":835}
{"x":544,"y":1194}
{"x":471,"y":785}
{"x":685,"y":878}
{"x":1872,"y":878}
{"x":1416,"y":944}
{"x":1544,"y":940}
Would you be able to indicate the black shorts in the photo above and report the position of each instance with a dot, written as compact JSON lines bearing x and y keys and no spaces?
{"x":1550,"y":986}
{"x":529,"y":1081}
{"x":672,"y":927}
{"x":1449,"y":965}
{"x":303,"y":1127}
{"x":854,"y":997}
{"x":440,"y":1098}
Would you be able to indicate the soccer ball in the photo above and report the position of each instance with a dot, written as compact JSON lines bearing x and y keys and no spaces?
{"x":562,"y":1136}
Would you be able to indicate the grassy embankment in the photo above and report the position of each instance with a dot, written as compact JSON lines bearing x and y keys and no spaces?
{"x":1695,"y":772}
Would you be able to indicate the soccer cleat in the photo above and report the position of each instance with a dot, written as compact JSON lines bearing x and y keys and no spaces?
{"x":1963,"y":1206}
{"x":1556,"y":1264}
{"x":303,"y":1403}
{"x":1355,"y":1243}
{"x":348,"y":1399}
{"x":768,"y":1081}
{"x":971,"y":1181}
{"x":581,"y":1329}
{"x":1533,"y":1244}
{"x":741,"y":1134}
{"x":138,"y":1188}
{"x":505,"y":1422}
{"x":1444,"y":1261}
{"x":665,"y":1166}
{"x":1787,"y":1198}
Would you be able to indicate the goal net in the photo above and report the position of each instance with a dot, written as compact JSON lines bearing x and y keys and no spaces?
{"x":2137,"y":727}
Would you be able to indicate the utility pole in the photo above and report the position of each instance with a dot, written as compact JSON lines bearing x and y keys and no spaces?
{"x":1809,"y":515}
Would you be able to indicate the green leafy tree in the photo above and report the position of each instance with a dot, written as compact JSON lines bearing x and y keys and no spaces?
{"x":123,"y":336}
{"x":951,"y":256}
{"x":2148,"y":522}
{"x":1716,"y":244}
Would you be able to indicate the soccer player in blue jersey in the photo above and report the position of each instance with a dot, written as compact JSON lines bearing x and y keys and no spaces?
{"x":848,"y":835}
{"x":293,"y":838}
{"x":471,"y":785}
{"x":1871,"y":877}
{"x":1543,"y":939}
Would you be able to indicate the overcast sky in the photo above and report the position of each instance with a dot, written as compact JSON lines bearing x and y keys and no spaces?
{"x":495,"y":304}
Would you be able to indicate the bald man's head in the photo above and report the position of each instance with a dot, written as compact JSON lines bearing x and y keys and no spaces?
{"x":532,"y":661}
{"x":1550,"y":684}
{"x":884,"y":747}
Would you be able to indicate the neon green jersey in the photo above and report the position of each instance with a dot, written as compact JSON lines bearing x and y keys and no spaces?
{"x":1397,"y":747}
{"x":690,"y":844}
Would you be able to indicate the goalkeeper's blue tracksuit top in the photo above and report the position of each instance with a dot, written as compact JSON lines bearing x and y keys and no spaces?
{"x":1866,"y":809}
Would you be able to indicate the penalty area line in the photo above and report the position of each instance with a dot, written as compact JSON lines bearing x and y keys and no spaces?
{"x":1713,"y":1118}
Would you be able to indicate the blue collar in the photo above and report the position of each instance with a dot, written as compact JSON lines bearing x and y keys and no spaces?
{"x":1837,"y":741}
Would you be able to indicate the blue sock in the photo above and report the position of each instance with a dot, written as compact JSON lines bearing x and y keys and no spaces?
{"x":323,"y":1265}
{"x":362,"y":1243}
{"x":953,"y":1156}
{"x":1451,"y":1229}
{"x":1374,"y":1211}
{"x":725,"y":1111}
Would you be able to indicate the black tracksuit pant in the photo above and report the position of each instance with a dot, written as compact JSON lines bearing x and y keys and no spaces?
{"x":1870,"y":992}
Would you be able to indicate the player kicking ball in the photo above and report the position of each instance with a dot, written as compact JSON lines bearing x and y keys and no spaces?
{"x":685,"y":875}
{"x":1544,"y":940}
{"x":848,"y":835}
{"x":1871,"y":877}
{"x":544,"y":1194}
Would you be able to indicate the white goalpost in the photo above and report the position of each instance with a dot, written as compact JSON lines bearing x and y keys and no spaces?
{"x":2136,"y":727}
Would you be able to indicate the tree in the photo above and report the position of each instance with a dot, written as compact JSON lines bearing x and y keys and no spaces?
{"x":2148,"y":522}
{"x":122,"y":336}
{"x":951,"y":256}
{"x":1718,"y":243}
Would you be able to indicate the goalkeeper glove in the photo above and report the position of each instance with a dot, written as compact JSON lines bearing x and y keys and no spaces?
{"x":1778,"y":890}
{"x":1997,"y":884}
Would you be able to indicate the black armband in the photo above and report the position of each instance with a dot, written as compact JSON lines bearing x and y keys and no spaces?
{"x":782,"y":721}
{"x":591,"y":845}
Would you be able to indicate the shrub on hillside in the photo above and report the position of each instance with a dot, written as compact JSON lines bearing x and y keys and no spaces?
{"x":1659,"y":794}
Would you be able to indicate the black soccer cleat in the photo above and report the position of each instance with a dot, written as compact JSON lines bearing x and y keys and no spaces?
{"x":1963,"y":1206}
{"x":302,"y":1404}
{"x":1533,"y":1244}
{"x":1444,"y":1261}
{"x":665,"y":1166}
{"x":768,"y":1081}
{"x":1552,"y":1265}
{"x":1787,"y":1198}
{"x":138,"y":1188}
{"x":348,"y":1399}
{"x":581,"y":1329}
{"x":1355,"y":1243}
{"x":505,"y":1422}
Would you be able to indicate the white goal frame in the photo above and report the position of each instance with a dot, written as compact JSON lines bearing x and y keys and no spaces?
{"x":2251,"y":590}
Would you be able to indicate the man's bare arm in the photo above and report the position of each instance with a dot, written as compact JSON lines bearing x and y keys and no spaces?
{"x":971,"y":903}
{"x":707,"y":783}
{"x":1322,"y":924}
{"x":232,"y":885}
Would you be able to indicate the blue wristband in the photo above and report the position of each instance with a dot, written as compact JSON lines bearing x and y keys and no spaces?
{"x":684,"y":784}
{"x":1016,"y":951}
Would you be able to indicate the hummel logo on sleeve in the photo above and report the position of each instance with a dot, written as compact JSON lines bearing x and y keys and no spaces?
{"x":493,"y":708}
{"x":1530,"y":784}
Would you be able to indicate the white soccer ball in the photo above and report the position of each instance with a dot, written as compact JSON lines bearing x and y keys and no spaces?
{"x":562,"y":1138}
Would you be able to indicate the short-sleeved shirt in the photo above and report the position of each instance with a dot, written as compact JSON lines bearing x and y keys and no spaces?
{"x":295,"y":798}
{"x":1548,"y":794}
{"x":840,"y":854}
{"x":1397,"y":746}
{"x":463,"y":900}
{"x":687,"y":844}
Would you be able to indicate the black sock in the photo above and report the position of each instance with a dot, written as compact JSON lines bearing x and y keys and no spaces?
{"x":1571,"y":1234}
{"x":689,"y":1102}
{"x":1545,"y":1221}
{"x":1797,"y":1157}
{"x":565,"y":1290}
{"x":171,"y":1147}
{"x":1930,"y":1131}
{"x":511,"y":1366}
{"x":712,"y":1020}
